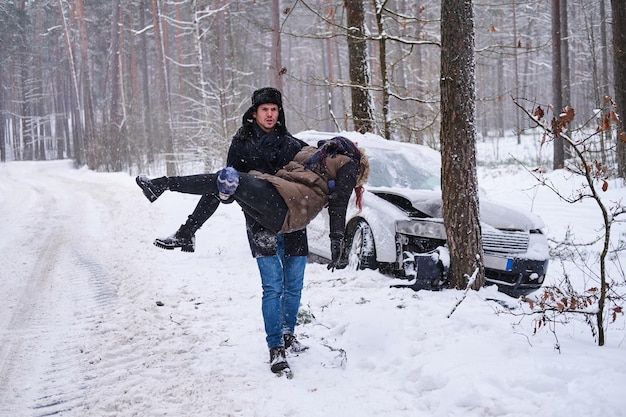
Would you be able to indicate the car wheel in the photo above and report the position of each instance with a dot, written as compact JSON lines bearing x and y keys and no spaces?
{"x":361,"y":252}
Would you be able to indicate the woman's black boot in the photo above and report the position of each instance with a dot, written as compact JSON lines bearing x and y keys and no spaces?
{"x":184,"y":238}
{"x":152,"y":189}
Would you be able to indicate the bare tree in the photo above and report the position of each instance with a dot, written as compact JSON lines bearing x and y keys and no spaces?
{"x":116,"y":110}
{"x":458,"y":144}
{"x":145,"y":86}
{"x":163,"y":87}
{"x":619,"y":52}
{"x":362,"y":114}
{"x":557,"y":97}
{"x":276,"y":67}
{"x":85,"y":79}
{"x":600,"y":300}
{"x":77,"y":127}
{"x":382,"y":49}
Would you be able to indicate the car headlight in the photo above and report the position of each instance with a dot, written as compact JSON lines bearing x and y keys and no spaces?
{"x":425,"y":228}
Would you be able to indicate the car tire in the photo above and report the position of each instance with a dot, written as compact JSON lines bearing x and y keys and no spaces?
{"x":361,"y":250}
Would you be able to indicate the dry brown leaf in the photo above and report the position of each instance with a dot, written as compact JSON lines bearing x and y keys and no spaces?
{"x":568,"y":114}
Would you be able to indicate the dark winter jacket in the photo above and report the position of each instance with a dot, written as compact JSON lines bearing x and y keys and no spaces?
{"x":253,"y":149}
{"x":307,"y":192}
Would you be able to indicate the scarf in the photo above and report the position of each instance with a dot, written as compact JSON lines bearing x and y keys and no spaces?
{"x":333,"y":147}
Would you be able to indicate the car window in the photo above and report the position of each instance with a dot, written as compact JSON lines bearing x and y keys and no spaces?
{"x":390,"y":168}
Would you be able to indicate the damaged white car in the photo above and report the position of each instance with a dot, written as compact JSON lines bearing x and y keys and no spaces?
{"x":400,"y":230}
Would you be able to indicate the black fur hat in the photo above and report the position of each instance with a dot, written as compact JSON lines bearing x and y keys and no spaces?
{"x":263,"y":96}
{"x":267,"y":95}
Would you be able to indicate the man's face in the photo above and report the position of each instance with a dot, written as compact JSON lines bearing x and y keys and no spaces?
{"x":266,"y":116}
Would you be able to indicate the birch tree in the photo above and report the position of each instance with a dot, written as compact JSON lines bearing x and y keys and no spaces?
{"x":77,"y":126}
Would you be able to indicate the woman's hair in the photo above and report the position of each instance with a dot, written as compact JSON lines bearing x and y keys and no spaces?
{"x":364,"y":173}
{"x":364,"y":169}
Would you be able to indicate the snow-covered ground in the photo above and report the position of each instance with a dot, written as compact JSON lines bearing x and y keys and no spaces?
{"x":82,"y":334}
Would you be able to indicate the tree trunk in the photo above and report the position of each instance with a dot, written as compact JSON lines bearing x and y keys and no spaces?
{"x":559,"y":148}
{"x":566,"y":96}
{"x":458,"y":144}
{"x":516,"y":47}
{"x":362,"y":113}
{"x":77,"y":126}
{"x":277,"y":61}
{"x":567,"y":99}
{"x":147,"y":107}
{"x":384,"y":75}
{"x":222,"y":57}
{"x":619,"y":52}
{"x":162,"y":80}
{"x":329,"y":14}
{"x":116,"y":115}
{"x":3,"y":150}
{"x":86,"y":84}
{"x":603,"y":88}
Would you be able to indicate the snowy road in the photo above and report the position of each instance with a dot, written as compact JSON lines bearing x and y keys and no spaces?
{"x":57,"y":288}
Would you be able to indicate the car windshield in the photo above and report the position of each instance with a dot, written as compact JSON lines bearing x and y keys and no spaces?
{"x":398,"y":168}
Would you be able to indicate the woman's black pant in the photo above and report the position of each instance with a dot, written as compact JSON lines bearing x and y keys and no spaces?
{"x":257,"y":197}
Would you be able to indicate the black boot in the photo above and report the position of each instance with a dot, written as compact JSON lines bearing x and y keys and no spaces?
{"x":292,"y":343}
{"x":184,"y":238}
{"x":278,"y":362}
{"x":152,"y":189}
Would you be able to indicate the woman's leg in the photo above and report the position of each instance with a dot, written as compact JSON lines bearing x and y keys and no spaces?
{"x":261,"y":201}
{"x":257,"y":197}
{"x":200,"y":184}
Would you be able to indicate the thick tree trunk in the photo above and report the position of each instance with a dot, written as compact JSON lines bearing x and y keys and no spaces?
{"x":458,"y":144}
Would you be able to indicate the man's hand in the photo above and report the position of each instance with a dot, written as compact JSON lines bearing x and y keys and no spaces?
{"x":335,"y":253}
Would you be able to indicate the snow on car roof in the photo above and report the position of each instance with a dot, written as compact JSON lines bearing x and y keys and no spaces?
{"x":393,"y":164}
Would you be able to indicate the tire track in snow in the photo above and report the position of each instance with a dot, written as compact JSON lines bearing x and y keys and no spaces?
{"x":60,"y":298}
{"x":65,"y":384}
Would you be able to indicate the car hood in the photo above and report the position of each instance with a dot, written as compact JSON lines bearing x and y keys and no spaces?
{"x":493,"y":214}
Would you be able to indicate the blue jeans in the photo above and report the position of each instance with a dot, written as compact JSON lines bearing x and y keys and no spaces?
{"x":282,"y":278}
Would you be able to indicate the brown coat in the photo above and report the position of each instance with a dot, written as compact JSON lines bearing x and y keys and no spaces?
{"x":304,"y":191}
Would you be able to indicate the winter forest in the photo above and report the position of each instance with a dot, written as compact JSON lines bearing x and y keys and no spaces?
{"x":525,"y":94}
{"x":129,"y":85}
